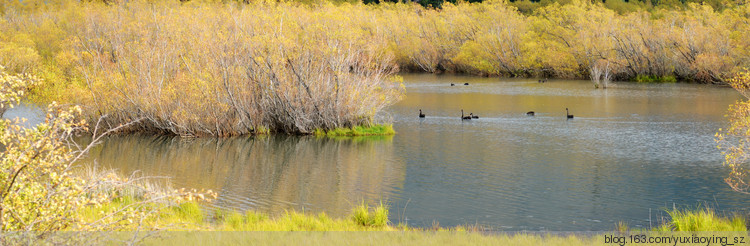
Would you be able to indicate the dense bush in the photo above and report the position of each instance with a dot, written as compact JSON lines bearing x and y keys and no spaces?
{"x":206,"y":69}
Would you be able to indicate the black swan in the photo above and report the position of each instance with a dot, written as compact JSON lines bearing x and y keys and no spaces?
{"x":473,"y":116}
{"x":466,"y":83}
{"x":421,"y":115}
{"x":530,"y":113}
{"x":452,"y":84}
{"x":570,"y":116}
{"x":464,"y":117}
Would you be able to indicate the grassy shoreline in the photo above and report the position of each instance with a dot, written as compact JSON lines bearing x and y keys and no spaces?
{"x":190,"y":224}
{"x":372,"y":130}
{"x":189,"y":215}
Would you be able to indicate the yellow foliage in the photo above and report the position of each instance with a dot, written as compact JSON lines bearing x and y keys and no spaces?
{"x":274,"y":65}
{"x":13,"y":88}
{"x":19,"y":56}
{"x":234,"y":67}
{"x":734,"y":142}
{"x":39,"y":193}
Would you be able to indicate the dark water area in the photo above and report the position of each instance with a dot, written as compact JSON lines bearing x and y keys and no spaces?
{"x":631,"y":151}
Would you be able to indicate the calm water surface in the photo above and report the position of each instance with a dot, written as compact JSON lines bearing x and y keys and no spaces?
{"x":631,"y":151}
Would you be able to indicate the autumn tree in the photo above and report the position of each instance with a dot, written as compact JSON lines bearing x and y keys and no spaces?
{"x":734,"y":141}
{"x":42,"y":191}
{"x":13,"y":88}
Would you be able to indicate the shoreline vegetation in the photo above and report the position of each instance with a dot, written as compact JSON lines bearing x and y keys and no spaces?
{"x":188,"y":216}
{"x":205,"y":68}
{"x":375,"y":218}
{"x":373,"y":130}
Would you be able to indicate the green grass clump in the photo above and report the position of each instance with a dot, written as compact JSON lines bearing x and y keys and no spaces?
{"x":182,"y":216}
{"x":378,"y":217}
{"x":291,"y":221}
{"x":190,"y":216}
{"x":385,"y":129}
{"x":370,"y":219}
{"x":234,"y":221}
{"x":93,"y":213}
{"x":701,"y":220}
{"x":262,"y":130}
{"x":655,"y":79}
{"x":188,"y":212}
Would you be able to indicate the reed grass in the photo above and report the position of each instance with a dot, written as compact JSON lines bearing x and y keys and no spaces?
{"x":704,"y":219}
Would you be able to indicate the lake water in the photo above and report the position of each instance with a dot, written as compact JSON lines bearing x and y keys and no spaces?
{"x":631,"y":151}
